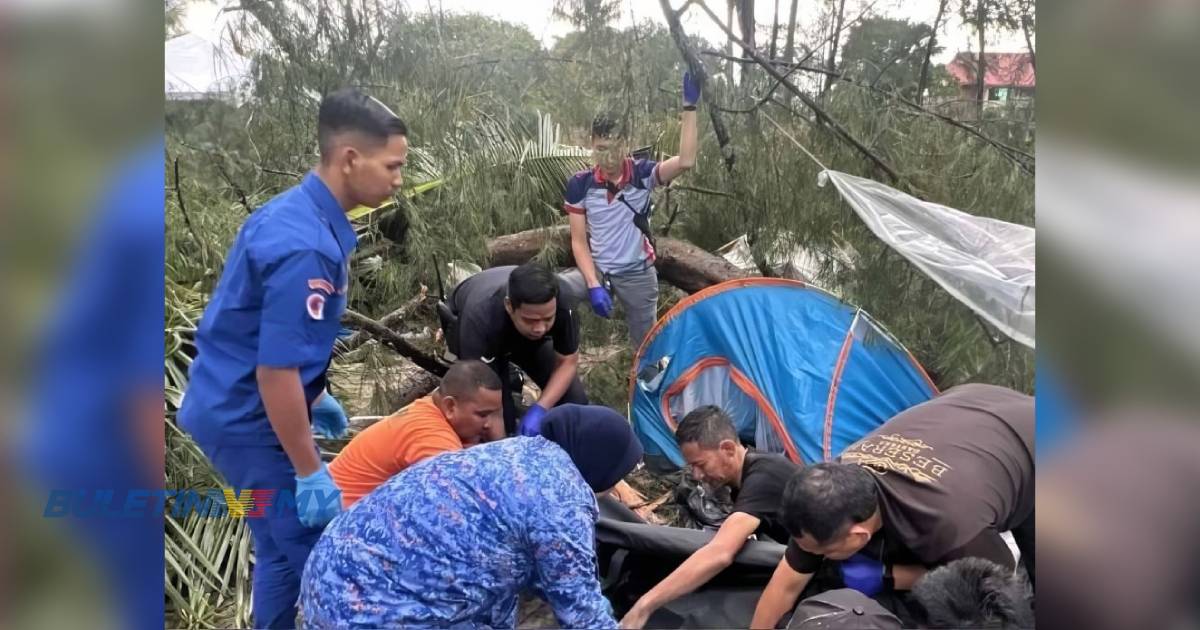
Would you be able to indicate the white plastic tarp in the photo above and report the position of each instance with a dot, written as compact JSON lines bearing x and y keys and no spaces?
{"x":985,"y":263}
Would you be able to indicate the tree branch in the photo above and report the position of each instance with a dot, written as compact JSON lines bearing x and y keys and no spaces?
{"x":762,"y":101}
{"x":395,"y":341}
{"x":482,"y":62}
{"x":680,"y":263}
{"x":923,"y":81}
{"x":187,"y":220}
{"x":696,"y":67}
{"x":1023,"y":159}
{"x":703,"y":191}
{"x":674,"y":213}
{"x":391,"y":321}
{"x":275,"y":172}
{"x":682,"y":9}
{"x":808,"y":101}
{"x":232,"y":184}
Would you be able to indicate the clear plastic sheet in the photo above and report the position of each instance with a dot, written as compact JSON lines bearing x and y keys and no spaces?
{"x":985,"y":263}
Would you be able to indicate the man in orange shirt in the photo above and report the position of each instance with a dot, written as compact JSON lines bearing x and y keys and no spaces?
{"x":457,"y":414}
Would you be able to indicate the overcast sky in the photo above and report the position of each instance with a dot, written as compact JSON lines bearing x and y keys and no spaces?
{"x":203,"y":17}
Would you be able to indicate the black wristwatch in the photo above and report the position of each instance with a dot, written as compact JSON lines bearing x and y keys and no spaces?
{"x":689,"y":108}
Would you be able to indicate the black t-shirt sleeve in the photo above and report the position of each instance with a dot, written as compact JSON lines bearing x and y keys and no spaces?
{"x":759,"y":496}
{"x":565,"y":332}
{"x":474,"y":337}
{"x":800,"y":560}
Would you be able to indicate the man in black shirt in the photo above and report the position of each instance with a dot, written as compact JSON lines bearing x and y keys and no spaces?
{"x":513,"y":314}
{"x":938,"y":482}
{"x":711,"y":448}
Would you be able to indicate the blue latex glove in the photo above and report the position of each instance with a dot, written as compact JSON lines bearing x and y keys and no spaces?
{"x":531,"y":422}
{"x":318,"y":500}
{"x":328,"y":418}
{"x":863,"y":574}
{"x":691,"y":90}
{"x":601,"y":301}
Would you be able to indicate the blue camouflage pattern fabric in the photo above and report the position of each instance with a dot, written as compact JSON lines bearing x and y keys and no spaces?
{"x":453,"y":540}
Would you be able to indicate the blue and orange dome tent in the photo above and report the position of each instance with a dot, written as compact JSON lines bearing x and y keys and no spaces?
{"x":801,"y":372}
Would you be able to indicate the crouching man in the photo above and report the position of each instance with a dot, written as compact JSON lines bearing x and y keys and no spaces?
{"x":710,"y":446}
{"x":938,"y":482}
{"x":460,"y":412}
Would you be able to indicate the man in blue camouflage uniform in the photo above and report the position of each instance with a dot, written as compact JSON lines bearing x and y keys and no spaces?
{"x":453,"y":540}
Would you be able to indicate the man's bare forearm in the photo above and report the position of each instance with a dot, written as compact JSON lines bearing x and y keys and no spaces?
{"x":559,"y":381}
{"x":287,"y":411}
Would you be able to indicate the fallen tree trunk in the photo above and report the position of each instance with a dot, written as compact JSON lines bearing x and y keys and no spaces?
{"x":416,"y":386}
{"x":391,"y":320}
{"x":679,"y":263}
{"x":392,"y":339}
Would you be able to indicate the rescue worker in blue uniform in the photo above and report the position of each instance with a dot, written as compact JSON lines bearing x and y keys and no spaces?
{"x":267,"y":334}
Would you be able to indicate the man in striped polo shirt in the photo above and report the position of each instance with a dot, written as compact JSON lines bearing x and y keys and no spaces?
{"x":606,"y":205}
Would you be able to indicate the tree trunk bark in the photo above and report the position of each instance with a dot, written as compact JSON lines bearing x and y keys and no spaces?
{"x":391,"y":320}
{"x":679,"y":263}
{"x":393,"y":340}
{"x":729,"y":46}
{"x":775,"y":31}
{"x":1026,"y":27}
{"x":831,"y":62}
{"x":981,"y":67}
{"x":789,"y":49}
{"x":415,"y":386}
{"x":789,"y":52}
{"x":923,"y":82}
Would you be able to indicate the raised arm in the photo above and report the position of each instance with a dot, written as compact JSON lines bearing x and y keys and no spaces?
{"x":688,"y":135}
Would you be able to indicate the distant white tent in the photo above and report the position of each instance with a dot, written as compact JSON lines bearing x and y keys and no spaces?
{"x":199,"y":69}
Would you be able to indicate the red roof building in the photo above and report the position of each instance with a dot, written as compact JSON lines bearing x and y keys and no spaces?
{"x":1008,"y":75}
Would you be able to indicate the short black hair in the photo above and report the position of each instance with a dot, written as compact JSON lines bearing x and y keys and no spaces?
{"x":973,"y":593}
{"x":468,"y":376}
{"x":823,"y":500}
{"x":349,"y":109}
{"x":706,"y":426}
{"x":608,"y":126}
{"x":531,"y":283}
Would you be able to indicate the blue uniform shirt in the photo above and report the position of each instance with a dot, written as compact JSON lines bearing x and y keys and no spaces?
{"x":278,"y":304}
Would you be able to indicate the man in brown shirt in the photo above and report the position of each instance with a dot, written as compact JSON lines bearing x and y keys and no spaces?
{"x":938,"y":482}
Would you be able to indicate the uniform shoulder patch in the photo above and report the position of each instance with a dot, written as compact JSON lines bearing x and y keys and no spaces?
{"x":320,"y":284}
{"x":316,"y":306}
